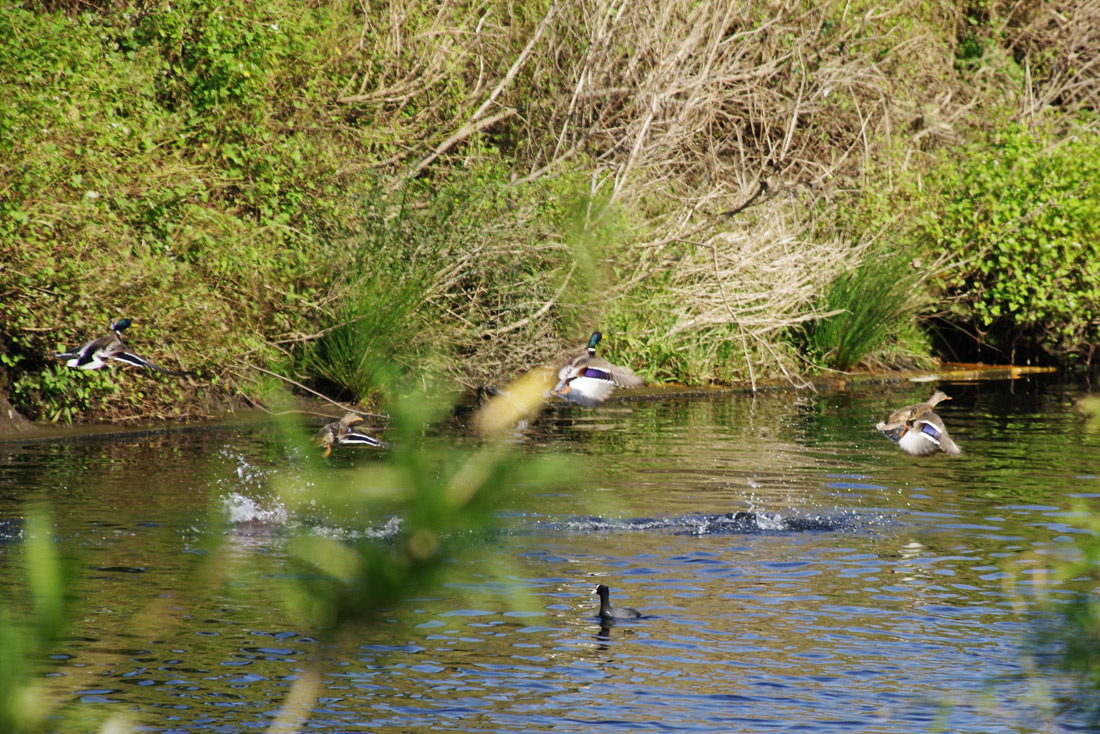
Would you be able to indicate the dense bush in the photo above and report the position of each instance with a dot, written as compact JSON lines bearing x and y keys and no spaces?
{"x":148,"y":172}
{"x":1018,"y":215}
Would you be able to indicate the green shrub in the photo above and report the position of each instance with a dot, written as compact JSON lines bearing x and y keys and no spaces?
{"x":173,"y":167}
{"x":1018,"y":215}
{"x":61,"y":393}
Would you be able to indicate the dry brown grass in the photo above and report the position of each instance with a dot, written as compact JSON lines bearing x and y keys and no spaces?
{"x":684,"y":111}
{"x":1058,"y":46}
{"x":761,"y":279}
{"x":686,"y":98}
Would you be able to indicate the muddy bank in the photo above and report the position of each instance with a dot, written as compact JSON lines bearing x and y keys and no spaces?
{"x":10,"y":419}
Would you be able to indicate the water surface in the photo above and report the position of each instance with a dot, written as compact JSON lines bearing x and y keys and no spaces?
{"x":858,"y":590}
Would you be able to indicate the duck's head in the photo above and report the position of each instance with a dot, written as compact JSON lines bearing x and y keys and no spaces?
{"x":120,"y":326}
{"x":594,"y":340}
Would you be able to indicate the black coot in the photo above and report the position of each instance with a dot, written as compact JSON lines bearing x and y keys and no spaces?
{"x":606,"y":612}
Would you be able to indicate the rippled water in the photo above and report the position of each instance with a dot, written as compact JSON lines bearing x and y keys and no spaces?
{"x":796,"y":571}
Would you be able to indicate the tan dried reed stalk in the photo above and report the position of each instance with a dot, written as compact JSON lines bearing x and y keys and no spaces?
{"x":686,"y":107}
{"x":763,"y":279}
{"x":1059,"y":43}
{"x":661,"y":94}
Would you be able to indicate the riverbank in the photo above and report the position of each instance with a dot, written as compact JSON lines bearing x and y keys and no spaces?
{"x":732,"y":195}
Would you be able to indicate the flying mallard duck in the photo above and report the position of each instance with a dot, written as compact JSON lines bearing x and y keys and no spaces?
{"x":94,"y":354}
{"x":340,"y":433}
{"x":588,"y":380}
{"x":917,"y":430}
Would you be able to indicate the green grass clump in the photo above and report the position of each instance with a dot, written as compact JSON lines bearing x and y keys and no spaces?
{"x":873,"y":309}
{"x":375,"y":335}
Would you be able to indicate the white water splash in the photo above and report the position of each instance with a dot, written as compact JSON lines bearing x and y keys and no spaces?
{"x":240,"y":509}
{"x":773,"y":521}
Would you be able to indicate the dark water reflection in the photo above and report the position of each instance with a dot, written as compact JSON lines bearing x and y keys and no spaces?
{"x":866,"y":590}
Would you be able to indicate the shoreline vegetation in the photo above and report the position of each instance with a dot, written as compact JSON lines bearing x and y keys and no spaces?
{"x":451,"y":194}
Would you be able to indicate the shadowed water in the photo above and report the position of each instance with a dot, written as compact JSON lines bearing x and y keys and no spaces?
{"x":796,"y":571}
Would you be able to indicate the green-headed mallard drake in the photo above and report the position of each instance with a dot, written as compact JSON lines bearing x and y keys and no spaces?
{"x":94,"y":354}
{"x":340,"y":433}
{"x":607,"y":613}
{"x":588,"y":380}
{"x":917,"y":430}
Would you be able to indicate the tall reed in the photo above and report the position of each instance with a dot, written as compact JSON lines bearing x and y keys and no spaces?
{"x":872,"y":305}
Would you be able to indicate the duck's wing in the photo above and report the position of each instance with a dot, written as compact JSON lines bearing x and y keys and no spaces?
{"x":931,"y":428}
{"x":950,"y":447}
{"x":570,"y":367}
{"x":357,"y":438}
{"x":601,"y":369}
{"x":893,"y":430}
{"x":586,"y":392}
{"x":624,"y":377}
{"x":130,"y":358}
{"x":918,"y":443}
{"x":908,"y":438}
{"x":587,"y":386}
{"x":889,"y":427}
